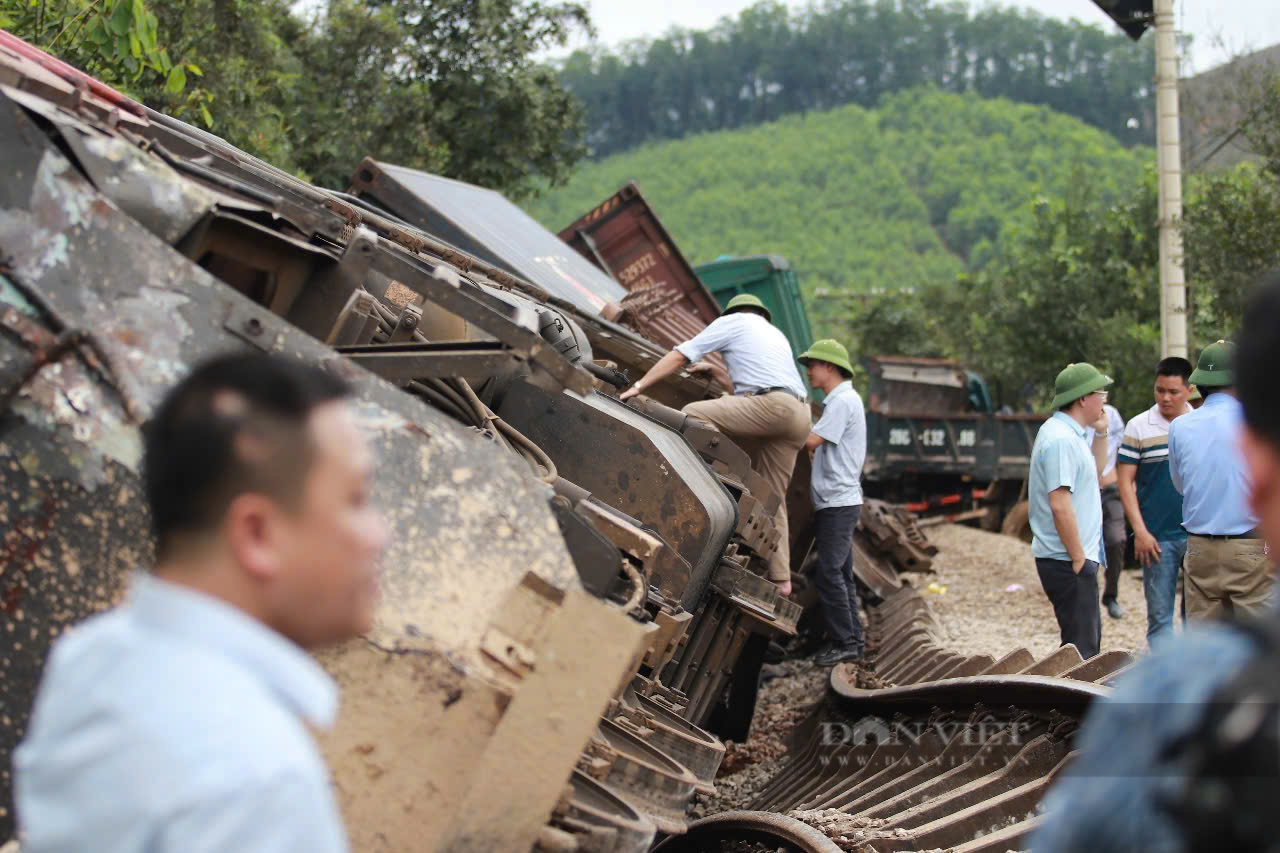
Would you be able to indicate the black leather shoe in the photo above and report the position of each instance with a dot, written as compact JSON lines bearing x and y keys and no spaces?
{"x":839,"y":654}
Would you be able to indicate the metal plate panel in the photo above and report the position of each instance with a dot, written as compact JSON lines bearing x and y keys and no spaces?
{"x":637,"y":465}
{"x":70,"y":511}
{"x":483,"y":223}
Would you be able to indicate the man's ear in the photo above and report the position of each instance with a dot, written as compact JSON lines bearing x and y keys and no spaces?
{"x":252,"y":528}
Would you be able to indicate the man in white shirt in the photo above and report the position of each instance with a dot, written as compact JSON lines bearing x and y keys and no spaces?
{"x":839,"y":446}
{"x":175,"y":723}
{"x":767,"y":406}
{"x":1113,"y":529}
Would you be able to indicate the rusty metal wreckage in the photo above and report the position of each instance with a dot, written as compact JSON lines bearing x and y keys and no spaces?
{"x":573,"y":599}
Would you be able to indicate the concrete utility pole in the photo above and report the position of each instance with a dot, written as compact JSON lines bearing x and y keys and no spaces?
{"x":1173,"y":287}
{"x":1134,"y":17}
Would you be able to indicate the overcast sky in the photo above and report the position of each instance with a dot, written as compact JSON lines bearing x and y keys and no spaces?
{"x":1219,"y":27}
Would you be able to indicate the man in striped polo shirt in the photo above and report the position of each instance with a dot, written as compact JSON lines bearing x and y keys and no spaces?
{"x":1152,"y":504}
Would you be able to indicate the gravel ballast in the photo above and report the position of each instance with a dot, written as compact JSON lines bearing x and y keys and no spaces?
{"x":983,"y":610}
{"x":987,"y":597}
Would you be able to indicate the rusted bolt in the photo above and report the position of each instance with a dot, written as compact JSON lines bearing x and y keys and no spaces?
{"x":253,"y":326}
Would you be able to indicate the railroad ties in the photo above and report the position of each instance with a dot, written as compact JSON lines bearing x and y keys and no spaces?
{"x":933,"y":749}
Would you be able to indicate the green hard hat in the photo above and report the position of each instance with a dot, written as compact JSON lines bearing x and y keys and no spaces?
{"x":746,"y":300}
{"x":1216,"y":365}
{"x":830,"y":351}
{"x":1075,"y":381}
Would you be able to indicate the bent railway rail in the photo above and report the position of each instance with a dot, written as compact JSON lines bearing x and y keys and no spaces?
{"x":935,"y":750}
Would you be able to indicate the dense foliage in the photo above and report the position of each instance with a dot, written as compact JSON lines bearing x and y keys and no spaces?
{"x":772,"y":61}
{"x":1079,"y":280}
{"x":905,"y":196}
{"x":117,"y":41}
{"x":453,"y":86}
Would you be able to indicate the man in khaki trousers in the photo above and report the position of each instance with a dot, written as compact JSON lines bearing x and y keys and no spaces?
{"x":766,"y":412}
{"x":1226,"y":570}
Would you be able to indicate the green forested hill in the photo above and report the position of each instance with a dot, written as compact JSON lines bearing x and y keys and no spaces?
{"x":774,"y":59}
{"x":908,"y":194}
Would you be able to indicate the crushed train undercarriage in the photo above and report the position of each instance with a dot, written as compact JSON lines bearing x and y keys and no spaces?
{"x":573,"y":606}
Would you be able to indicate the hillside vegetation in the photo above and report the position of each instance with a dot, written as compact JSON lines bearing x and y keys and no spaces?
{"x":771,"y":60}
{"x":908,"y":195}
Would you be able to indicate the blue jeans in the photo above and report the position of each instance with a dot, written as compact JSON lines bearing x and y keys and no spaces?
{"x":1160,"y":584}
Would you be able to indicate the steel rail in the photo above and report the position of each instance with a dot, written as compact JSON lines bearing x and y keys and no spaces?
{"x":768,"y":827}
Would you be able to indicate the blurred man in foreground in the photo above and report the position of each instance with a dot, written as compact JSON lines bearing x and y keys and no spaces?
{"x":1185,"y":754}
{"x":177,"y":723}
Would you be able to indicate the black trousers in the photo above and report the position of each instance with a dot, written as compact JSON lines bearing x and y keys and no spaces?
{"x":1113,"y":539}
{"x":1075,"y":602}
{"x":833,"y":578}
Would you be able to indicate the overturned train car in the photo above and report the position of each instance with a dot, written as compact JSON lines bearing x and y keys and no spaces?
{"x":573,"y":600}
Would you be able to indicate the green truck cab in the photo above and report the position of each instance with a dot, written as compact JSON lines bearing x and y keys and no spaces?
{"x":772,"y":280}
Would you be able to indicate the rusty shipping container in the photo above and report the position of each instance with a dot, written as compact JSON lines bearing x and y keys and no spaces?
{"x":666,"y":301}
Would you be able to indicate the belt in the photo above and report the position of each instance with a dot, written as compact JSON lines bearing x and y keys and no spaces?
{"x":760,"y":392}
{"x":1251,"y":534}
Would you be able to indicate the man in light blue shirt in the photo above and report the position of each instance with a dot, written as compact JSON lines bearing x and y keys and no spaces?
{"x":177,"y":723}
{"x":1065,"y":505}
{"x":767,"y":407}
{"x":839,"y":446}
{"x":1226,"y":572}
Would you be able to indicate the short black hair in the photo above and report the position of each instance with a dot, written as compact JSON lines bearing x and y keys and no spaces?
{"x":1175,"y":365}
{"x":1257,"y":355}
{"x":236,"y":424}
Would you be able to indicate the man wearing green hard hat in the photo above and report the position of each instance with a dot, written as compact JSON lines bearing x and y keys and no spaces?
{"x":1065,"y":504}
{"x":1226,"y":572}
{"x":838,"y":443}
{"x":767,"y":412}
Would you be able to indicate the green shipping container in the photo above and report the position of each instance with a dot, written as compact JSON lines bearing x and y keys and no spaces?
{"x":768,"y":277}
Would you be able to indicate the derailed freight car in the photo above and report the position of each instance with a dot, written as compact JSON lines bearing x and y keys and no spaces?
{"x":572,"y":579}
{"x":574,"y":591}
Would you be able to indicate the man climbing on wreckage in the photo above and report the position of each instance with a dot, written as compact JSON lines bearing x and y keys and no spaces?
{"x":767,"y":405}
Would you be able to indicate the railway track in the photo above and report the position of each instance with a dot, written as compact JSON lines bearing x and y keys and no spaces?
{"x":921,"y":749}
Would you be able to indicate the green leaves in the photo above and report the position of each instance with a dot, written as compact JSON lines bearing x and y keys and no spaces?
{"x":115,"y":40}
{"x":177,"y":80}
